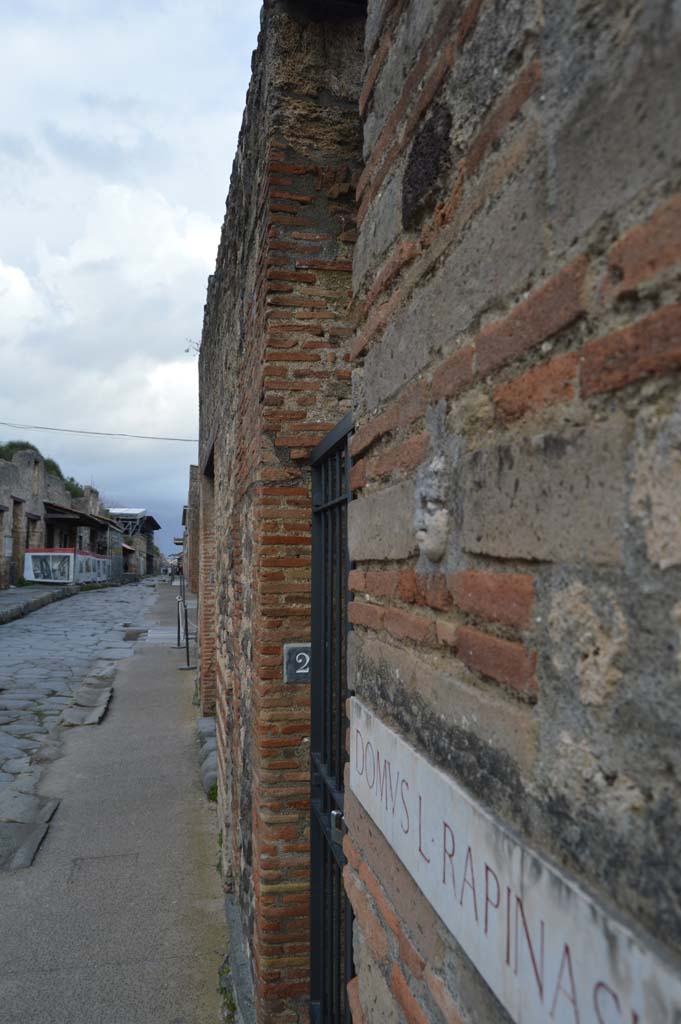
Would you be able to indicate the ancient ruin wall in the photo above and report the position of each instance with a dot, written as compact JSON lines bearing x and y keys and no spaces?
{"x":518,"y":427}
{"x":273,"y":381}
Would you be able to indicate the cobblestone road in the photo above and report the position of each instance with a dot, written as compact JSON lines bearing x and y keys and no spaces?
{"x":56,"y":667}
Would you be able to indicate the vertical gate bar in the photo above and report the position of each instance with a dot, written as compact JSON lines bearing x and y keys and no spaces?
{"x":340,"y":632}
{"x":337,"y":944}
{"x":316,"y":842}
{"x":322,"y":598}
{"x":317,"y":581}
{"x":328,"y":941}
{"x":316,"y":838}
{"x":328,"y":600}
{"x":349,"y":965}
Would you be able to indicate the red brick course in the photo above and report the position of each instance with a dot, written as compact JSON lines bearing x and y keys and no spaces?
{"x":645,"y":251}
{"x":552,"y":307}
{"x":646,"y":348}
{"x":548,"y":384}
{"x":502,"y":660}
{"x":500,"y":597}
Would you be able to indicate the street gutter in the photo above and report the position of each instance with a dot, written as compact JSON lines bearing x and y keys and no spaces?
{"x":31,"y":604}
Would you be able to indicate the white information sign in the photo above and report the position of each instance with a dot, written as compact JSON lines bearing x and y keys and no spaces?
{"x":548,"y":951}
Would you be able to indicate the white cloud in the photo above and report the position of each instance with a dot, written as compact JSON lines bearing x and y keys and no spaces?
{"x":119,"y":126}
{"x":21,"y":306}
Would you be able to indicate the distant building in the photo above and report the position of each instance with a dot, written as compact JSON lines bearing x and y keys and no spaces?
{"x":139,"y":555}
{"x":47,"y":535}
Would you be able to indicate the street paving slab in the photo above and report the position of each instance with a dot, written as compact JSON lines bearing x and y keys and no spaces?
{"x":57,"y":665}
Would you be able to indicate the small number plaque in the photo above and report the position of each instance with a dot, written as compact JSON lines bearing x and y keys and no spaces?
{"x":297,"y":663}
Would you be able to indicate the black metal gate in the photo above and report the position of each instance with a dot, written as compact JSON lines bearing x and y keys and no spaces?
{"x":331,"y":963}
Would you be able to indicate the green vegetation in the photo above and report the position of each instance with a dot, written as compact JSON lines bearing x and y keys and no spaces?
{"x":9,"y":448}
{"x":72,"y":486}
{"x":226,"y":991}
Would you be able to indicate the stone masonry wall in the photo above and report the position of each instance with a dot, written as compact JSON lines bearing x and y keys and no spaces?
{"x":517,"y":455}
{"x":273,"y":382}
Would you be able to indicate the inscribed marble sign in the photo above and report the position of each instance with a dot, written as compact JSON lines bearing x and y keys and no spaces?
{"x":549,"y":952}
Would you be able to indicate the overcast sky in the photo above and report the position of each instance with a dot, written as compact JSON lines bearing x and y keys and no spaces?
{"x":118,"y":125}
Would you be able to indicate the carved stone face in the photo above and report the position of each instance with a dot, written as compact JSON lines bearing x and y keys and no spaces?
{"x":432,"y":526}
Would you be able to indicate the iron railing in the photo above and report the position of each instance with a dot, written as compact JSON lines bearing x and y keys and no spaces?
{"x":331,"y":963}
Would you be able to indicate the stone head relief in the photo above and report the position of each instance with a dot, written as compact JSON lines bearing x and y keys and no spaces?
{"x":431,"y":519}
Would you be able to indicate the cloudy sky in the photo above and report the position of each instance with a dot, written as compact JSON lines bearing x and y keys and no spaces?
{"x":118,"y":125}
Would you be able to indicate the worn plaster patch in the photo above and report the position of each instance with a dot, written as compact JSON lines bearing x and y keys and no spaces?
{"x":656,"y":494}
{"x":578,"y":774}
{"x":588,"y":631}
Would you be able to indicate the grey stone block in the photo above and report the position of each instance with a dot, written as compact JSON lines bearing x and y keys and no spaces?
{"x":24,"y":808}
{"x":595,"y":173}
{"x":552,"y":497}
{"x":10,"y":745}
{"x":208,"y":745}
{"x":27,"y":782}
{"x":493,"y":259}
{"x":105,"y":670}
{"x":19,"y":844}
{"x":206,"y":726}
{"x":208,"y":779}
{"x":381,"y":227}
{"x":88,"y":697}
{"x":23,"y":728}
{"x":83,"y":716}
{"x":16,"y":765}
{"x":381,"y":525}
{"x":210,"y":762}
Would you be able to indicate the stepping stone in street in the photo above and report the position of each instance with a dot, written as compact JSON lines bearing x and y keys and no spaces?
{"x":24,"y":808}
{"x":104,"y":670}
{"x":83,"y":716}
{"x":91,"y":698}
{"x":93,"y":683}
{"x":19,"y":844}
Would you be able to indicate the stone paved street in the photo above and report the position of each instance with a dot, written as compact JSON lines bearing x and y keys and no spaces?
{"x":118,"y":918}
{"x":56,"y":669}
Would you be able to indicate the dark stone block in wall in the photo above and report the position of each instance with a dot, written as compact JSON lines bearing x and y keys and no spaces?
{"x":429,"y":160}
{"x":325,"y":10}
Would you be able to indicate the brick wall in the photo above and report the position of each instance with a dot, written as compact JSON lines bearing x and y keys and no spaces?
{"x":515,"y":527}
{"x":273,"y":382}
